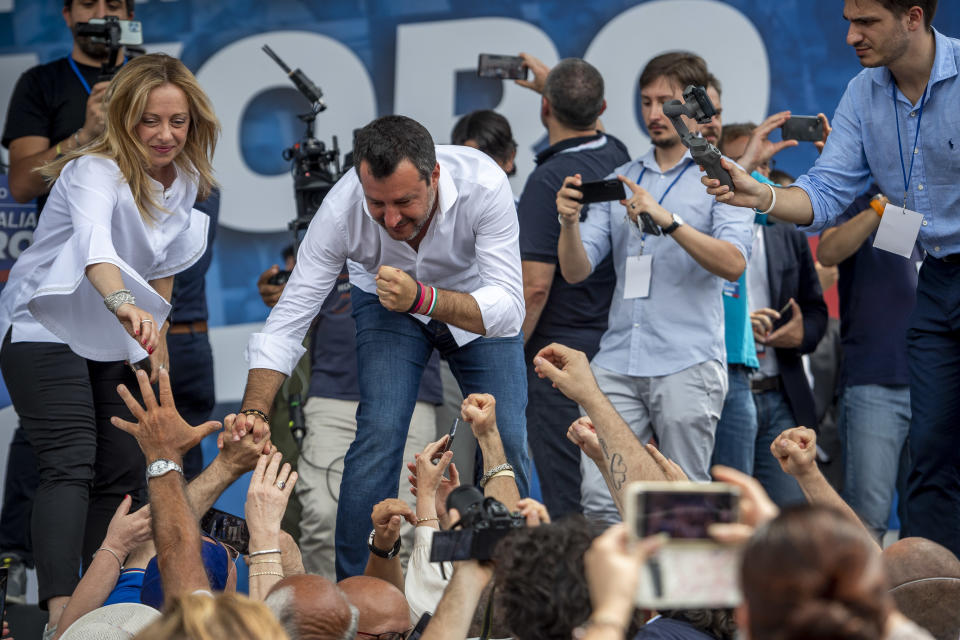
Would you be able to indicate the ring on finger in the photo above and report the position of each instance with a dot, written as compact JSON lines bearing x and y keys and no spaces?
{"x":143,"y":322}
{"x":281,"y":484}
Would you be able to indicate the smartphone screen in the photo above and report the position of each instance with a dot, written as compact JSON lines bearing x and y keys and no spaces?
{"x":227,"y":528}
{"x":490,"y":65}
{"x":803,"y":128}
{"x":683,"y":515}
{"x":601,"y":191}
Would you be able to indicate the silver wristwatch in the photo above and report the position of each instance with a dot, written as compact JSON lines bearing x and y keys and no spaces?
{"x":677,"y":223}
{"x":160,"y":467}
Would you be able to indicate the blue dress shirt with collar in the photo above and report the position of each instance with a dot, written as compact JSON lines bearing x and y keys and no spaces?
{"x":864,"y":143}
{"x":680,"y":323}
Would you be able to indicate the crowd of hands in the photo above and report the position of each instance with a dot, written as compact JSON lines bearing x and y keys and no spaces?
{"x":168,"y":526}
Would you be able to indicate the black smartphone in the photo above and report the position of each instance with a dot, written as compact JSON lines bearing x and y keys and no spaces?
{"x":803,"y":128}
{"x":446,"y":447}
{"x":144,"y":365}
{"x":421,"y":627}
{"x":280,"y":277}
{"x":785,"y":315}
{"x":601,"y":191}
{"x":491,"y":65}
{"x":226,"y":528}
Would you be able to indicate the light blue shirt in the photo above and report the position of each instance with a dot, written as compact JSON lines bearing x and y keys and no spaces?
{"x":680,"y":323}
{"x":864,"y":143}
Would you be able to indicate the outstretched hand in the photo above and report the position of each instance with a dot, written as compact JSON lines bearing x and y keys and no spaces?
{"x":760,"y":149}
{"x":747,"y":192}
{"x":568,"y":370}
{"x":160,"y":430}
{"x":270,"y":487}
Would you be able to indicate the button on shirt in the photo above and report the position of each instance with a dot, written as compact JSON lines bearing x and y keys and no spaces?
{"x":680,"y":324}
{"x":470,"y":246}
{"x":864,"y":143}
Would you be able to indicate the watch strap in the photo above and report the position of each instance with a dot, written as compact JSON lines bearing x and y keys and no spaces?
{"x":392,"y":553}
{"x":670,"y":228}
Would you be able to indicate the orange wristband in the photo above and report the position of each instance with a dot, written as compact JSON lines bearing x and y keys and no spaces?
{"x":878,"y":206}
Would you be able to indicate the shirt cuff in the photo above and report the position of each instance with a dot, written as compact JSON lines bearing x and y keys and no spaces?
{"x":499,"y":318}
{"x":269,"y":351}
{"x":819,"y":219}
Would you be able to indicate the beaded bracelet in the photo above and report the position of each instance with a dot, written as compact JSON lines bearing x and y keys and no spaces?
{"x":255,"y":412}
{"x":265,"y":573}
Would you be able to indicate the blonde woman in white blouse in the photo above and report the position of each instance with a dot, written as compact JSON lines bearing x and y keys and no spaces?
{"x":92,"y":293}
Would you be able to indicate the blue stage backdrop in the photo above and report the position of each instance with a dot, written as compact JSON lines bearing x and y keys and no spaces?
{"x":418,"y":58}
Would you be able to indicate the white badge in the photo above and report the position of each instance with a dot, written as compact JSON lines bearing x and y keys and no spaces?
{"x":898,"y":230}
{"x":639,"y":271}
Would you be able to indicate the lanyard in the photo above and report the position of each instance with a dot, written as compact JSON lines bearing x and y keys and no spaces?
{"x":76,"y":71}
{"x":643,"y":236}
{"x":907,"y":175}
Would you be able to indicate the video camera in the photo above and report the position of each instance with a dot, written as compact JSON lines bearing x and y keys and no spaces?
{"x":315,"y":168}
{"x":483,"y":523}
{"x":113,"y":33}
{"x":696,"y":105}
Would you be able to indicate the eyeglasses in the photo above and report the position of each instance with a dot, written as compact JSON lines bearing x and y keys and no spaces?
{"x":386,"y":635}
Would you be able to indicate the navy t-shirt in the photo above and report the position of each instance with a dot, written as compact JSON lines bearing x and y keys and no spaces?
{"x":670,"y":629}
{"x":189,"y":298}
{"x":575,"y":314}
{"x":878,"y":291}
{"x":333,"y":352}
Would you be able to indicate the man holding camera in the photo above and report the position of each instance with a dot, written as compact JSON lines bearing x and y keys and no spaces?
{"x":430,"y":236}
{"x":661,"y":359}
{"x":896,"y":122}
{"x":573,"y":314}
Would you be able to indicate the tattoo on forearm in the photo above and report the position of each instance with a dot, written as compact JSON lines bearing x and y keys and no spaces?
{"x":603,"y":445}
{"x":618,"y":471}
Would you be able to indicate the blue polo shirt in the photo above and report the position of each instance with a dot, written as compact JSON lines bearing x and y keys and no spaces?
{"x":878,"y":291}
{"x":575,"y":314}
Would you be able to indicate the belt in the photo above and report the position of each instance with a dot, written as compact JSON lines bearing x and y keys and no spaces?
{"x":761,"y":385}
{"x":200,"y":326}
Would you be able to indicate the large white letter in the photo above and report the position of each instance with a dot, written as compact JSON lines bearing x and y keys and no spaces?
{"x":429,"y":54}
{"x":725,"y":38}
{"x":237,"y":73}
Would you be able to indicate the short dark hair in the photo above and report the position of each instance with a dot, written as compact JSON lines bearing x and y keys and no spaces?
{"x":388,"y":141}
{"x":540,"y":582}
{"x":683,"y":67}
{"x":574,"y":89}
{"x":126,"y":3}
{"x":489,"y":130}
{"x":734,"y":131}
{"x":900,"y":7}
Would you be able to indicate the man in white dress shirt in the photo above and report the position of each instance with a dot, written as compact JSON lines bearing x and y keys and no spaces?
{"x":430,"y":235}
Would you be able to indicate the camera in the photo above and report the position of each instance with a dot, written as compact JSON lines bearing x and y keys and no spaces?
{"x":113,"y":33}
{"x":483,"y":523}
{"x":696,"y":105}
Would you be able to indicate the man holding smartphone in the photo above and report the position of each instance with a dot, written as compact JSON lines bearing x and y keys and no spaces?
{"x":661,"y":360}
{"x":572,"y":314}
{"x":897,"y":122}
{"x":430,"y":237}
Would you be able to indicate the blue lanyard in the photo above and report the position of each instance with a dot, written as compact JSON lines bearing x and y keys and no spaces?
{"x":643,"y":236}
{"x":76,"y":71}
{"x":907,"y":175}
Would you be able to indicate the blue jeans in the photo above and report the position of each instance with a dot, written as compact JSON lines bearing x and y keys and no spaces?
{"x":933,"y":348}
{"x":392,"y":351}
{"x":873,"y":423}
{"x":737,"y":430}
{"x":773,"y":417}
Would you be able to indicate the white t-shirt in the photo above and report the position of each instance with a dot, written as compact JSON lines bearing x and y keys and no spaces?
{"x":472,"y":246}
{"x":91,"y":218}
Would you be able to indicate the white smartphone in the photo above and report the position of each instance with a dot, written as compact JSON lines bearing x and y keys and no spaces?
{"x":691,"y":570}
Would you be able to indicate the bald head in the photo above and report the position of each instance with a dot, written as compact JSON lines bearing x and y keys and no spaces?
{"x":925,"y":582}
{"x":382,"y":606}
{"x":312,"y":608}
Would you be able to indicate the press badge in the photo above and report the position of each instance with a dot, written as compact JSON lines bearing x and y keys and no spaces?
{"x":639,"y":271}
{"x":898,"y":230}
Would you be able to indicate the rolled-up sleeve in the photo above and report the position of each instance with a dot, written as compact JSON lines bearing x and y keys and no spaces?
{"x":595,"y":232}
{"x":733,"y":225}
{"x":319,"y":261}
{"x":500,"y":297}
{"x":841,"y":173}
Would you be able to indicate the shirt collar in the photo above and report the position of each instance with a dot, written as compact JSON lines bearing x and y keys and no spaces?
{"x":944,"y":64}
{"x":446,"y":191}
{"x":569,"y":143}
{"x":649,"y":161}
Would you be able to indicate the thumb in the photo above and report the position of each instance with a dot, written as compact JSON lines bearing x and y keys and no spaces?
{"x":124,"y":507}
{"x":394,"y":524}
{"x":208,"y":427}
{"x":546,"y":367}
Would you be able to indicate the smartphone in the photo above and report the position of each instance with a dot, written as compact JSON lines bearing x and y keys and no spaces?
{"x":803,"y":128}
{"x":601,"y":191}
{"x":446,"y":447}
{"x":786,"y":313}
{"x":280,"y":277}
{"x":420,"y":628}
{"x":131,"y":32}
{"x":144,"y":365}
{"x":227,"y":528}
{"x":691,"y":570}
{"x":490,"y":65}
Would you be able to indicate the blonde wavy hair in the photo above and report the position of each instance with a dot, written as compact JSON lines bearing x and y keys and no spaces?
{"x":126,"y":100}
{"x":226,"y":616}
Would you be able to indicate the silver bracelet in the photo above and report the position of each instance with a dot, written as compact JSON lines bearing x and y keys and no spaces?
{"x":506,"y":466}
{"x":119,"y":297}
{"x":263,"y":552}
{"x":113,"y":553}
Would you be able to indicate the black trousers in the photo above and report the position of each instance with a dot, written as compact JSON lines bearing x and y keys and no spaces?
{"x":19,"y":486}
{"x":85,"y":464}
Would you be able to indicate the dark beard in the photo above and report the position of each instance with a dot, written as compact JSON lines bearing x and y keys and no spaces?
{"x":665,"y":144}
{"x":96,"y":50}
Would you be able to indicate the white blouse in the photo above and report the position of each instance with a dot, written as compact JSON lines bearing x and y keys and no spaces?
{"x":90,"y":218}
